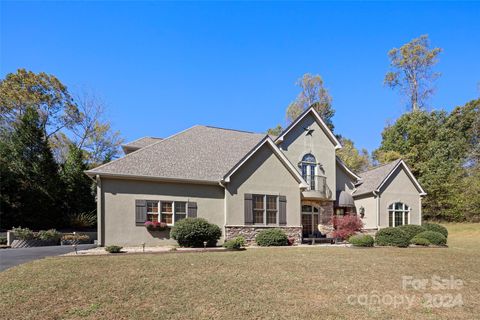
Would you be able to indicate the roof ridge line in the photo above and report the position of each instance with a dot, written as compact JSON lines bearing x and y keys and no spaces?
{"x":380,"y":166}
{"x":141,"y":149}
{"x":229,"y":129}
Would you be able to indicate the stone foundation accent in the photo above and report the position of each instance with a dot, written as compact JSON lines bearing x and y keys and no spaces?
{"x":249,"y":232}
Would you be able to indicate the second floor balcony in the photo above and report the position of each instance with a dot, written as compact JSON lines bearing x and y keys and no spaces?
{"x":317,"y":187}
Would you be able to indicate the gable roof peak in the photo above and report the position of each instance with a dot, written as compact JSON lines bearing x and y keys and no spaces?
{"x":321,"y":123}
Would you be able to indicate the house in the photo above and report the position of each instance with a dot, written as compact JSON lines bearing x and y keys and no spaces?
{"x":245,"y":182}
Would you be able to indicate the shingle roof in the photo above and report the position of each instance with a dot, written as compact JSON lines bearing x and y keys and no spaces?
{"x":200,"y":153}
{"x":372,"y":179}
{"x":140,"y":143}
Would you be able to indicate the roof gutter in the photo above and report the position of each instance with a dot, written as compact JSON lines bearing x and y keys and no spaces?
{"x":148,"y":178}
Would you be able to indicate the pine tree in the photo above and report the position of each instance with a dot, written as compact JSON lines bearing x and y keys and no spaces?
{"x":30,"y":185}
{"x":78,"y":195}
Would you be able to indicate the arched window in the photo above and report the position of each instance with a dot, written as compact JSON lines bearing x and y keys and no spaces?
{"x":398,"y":214}
{"x":309,"y":165}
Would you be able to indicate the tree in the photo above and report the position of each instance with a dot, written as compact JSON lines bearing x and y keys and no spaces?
{"x":275,"y":131}
{"x":313,"y":94}
{"x":383,"y":157}
{"x":356,"y":160}
{"x":93,"y":133}
{"x":440,"y":148}
{"x":42,"y":92}
{"x":412,"y":72}
{"x":30,"y":186}
{"x":78,"y":194}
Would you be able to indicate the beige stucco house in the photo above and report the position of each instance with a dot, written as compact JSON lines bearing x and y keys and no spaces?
{"x":245,"y":182}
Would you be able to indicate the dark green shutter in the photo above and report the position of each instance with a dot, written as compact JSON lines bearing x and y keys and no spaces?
{"x":140,"y":211}
{"x":192,"y":209}
{"x":282,"y":212}
{"x":248,"y":207}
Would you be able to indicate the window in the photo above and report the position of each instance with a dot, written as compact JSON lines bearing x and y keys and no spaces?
{"x":180,"y":210}
{"x":265,"y":209}
{"x":258,"y":209}
{"x":152,"y":211}
{"x":398,"y":214}
{"x":167,"y":212}
{"x":271,"y":210}
{"x":308,"y":166}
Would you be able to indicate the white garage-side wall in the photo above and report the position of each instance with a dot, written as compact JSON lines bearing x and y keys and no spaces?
{"x":118,"y":199}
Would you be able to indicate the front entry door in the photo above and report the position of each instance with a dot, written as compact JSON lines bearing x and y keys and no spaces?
{"x":309,"y":220}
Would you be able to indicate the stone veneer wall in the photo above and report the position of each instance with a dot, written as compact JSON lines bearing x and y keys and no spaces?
{"x":249,"y":232}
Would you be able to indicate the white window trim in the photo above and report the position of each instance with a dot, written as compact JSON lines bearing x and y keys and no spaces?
{"x":403,"y":211}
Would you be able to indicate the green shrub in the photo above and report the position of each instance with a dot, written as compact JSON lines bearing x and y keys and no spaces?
{"x":113,"y":249}
{"x":23,"y":233}
{"x":412,"y":230}
{"x":435,"y":238}
{"x":49,"y":235}
{"x":420,"y":241}
{"x":235,"y":243}
{"x":392,"y":237}
{"x":3,"y":241}
{"x":362,"y":240}
{"x":271,"y":237}
{"x":193,"y":232}
{"x":436,"y":227}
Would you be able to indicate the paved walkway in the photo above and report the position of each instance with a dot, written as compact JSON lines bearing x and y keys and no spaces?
{"x":13,"y":257}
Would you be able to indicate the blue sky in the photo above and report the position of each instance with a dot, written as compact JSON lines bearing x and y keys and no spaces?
{"x":162,"y":67}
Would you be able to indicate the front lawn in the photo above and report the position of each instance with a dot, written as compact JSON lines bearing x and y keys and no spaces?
{"x":276,"y":283}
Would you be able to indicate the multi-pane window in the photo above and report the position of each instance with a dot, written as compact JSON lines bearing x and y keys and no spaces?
{"x":152,"y":211}
{"x":265,"y":209}
{"x":258,"y":209}
{"x":308,"y":166}
{"x":180,"y":210}
{"x":271,"y":209}
{"x":167,"y":212}
{"x":398,"y":214}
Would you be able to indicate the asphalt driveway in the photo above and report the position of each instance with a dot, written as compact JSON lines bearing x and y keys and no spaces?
{"x":13,"y":257}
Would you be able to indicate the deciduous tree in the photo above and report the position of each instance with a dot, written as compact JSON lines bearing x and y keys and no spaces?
{"x":412,"y":71}
{"x":313,"y":93}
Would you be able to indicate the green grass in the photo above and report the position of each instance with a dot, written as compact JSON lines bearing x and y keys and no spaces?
{"x":271,"y":283}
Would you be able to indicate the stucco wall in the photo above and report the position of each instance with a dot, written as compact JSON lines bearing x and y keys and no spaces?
{"x":399,"y":188}
{"x":296,"y":144}
{"x":343,"y":181}
{"x":263,"y":173}
{"x":119,"y":207}
{"x":369,"y":203}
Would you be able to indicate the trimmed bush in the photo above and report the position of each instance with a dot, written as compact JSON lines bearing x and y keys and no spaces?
{"x":436,"y":227}
{"x":392,"y":237}
{"x":3,"y":241}
{"x":346,"y":226}
{"x":271,"y":237}
{"x":361,"y":240}
{"x":113,"y":249}
{"x":193,"y":232}
{"x":435,"y":238}
{"x":412,"y":230}
{"x":235,"y":243}
{"x":420,"y":241}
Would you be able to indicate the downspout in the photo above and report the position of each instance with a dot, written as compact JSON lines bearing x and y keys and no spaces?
{"x":222,"y":184}
{"x":100,"y":235}
{"x":377,"y":195}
